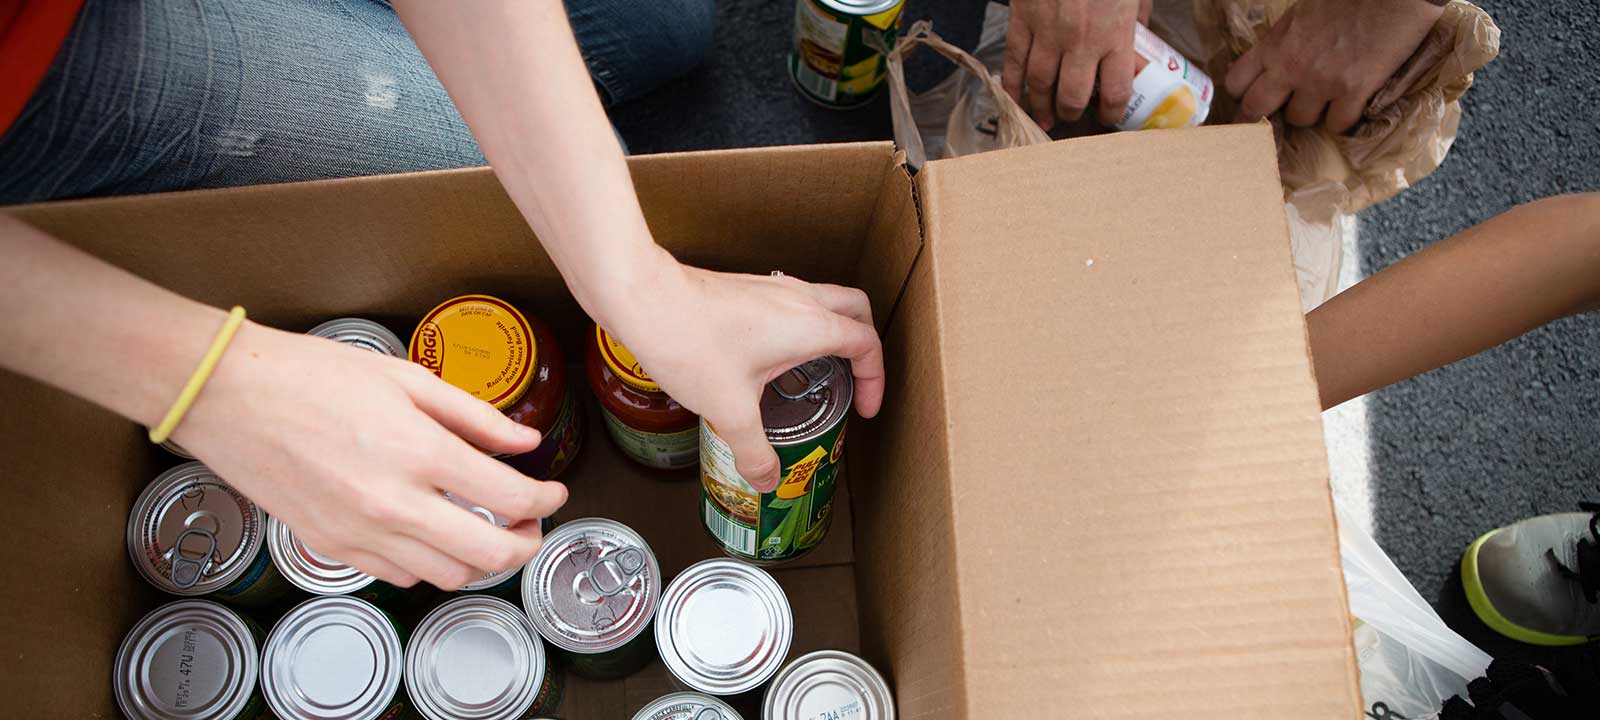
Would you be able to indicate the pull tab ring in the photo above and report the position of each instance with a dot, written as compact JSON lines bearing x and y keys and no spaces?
{"x":812,"y":375}
{"x":187,"y":569}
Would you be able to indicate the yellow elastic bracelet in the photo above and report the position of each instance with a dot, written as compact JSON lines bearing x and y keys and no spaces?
{"x":202,"y":373}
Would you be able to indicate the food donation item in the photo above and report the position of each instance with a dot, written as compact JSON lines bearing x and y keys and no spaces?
{"x":478,"y":658}
{"x":319,"y":574}
{"x":504,"y":583}
{"x":190,"y":533}
{"x":1168,"y":90}
{"x":189,"y":660}
{"x":724,"y":627}
{"x":592,"y":592}
{"x":839,"y":46}
{"x":828,"y":684}
{"x":364,"y":334}
{"x":334,"y":658}
{"x":648,"y":426}
{"x":804,"y":411}
{"x":687,"y":706}
{"x":488,"y":348}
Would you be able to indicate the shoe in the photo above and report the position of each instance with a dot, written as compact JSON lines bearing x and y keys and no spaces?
{"x":1538,"y":580}
{"x":1512,"y":691}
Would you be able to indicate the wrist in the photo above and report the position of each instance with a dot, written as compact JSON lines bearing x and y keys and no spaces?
{"x":622,"y":294}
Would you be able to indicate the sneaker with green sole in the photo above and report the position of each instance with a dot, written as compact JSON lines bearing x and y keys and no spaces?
{"x":1538,"y":580}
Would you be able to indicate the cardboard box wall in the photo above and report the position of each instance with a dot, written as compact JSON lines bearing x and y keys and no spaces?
{"x":1097,"y":489}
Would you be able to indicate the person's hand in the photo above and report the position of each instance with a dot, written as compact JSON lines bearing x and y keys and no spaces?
{"x":1328,"y":57}
{"x":353,"y":450}
{"x":714,"y":340}
{"x":1054,"y":49}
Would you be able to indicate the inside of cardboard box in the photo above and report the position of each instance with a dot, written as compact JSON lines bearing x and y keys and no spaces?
{"x":388,"y":249}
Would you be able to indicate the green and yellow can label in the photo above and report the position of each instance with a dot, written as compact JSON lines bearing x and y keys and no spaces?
{"x":838,"y":56}
{"x":775,"y":527}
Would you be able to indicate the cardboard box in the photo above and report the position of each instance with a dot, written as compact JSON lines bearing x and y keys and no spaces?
{"x":1097,"y":489}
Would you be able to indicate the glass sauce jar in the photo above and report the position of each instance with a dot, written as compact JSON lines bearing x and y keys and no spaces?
{"x":648,"y":426}
{"x":488,"y":348}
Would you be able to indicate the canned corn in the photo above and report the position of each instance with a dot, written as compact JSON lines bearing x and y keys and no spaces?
{"x":724,"y":627}
{"x":478,"y":658}
{"x":334,"y":658}
{"x":804,"y":411}
{"x":591,"y":592}
{"x":839,"y":46}
{"x":687,"y":706}
{"x":828,"y":684}
{"x":189,"y":660}
{"x":190,"y":533}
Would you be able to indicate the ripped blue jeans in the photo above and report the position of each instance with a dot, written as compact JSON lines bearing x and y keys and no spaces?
{"x":157,"y":95}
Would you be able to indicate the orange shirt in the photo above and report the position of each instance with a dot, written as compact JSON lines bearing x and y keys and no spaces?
{"x":31,"y":33}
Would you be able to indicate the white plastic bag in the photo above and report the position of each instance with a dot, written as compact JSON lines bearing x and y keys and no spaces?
{"x":1410,"y":661}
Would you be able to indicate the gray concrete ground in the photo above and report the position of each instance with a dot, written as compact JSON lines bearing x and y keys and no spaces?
{"x":1511,"y":433}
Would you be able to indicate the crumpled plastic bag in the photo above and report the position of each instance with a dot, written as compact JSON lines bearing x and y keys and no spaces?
{"x":1407,"y":127}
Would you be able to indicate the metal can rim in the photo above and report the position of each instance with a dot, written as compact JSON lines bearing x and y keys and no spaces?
{"x":139,"y":523}
{"x":839,"y":407}
{"x":665,"y":701}
{"x":369,"y":622}
{"x":425,"y":691}
{"x":230,"y":628}
{"x":535,"y":571}
{"x":877,"y":700}
{"x":361,"y":333}
{"x":285,"y":550}
{"x":763,"y":586}
{"x":859,"y":7}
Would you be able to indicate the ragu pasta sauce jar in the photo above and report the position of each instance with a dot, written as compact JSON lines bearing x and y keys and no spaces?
{"x":646,"y":424}
{"x":488,"y":348}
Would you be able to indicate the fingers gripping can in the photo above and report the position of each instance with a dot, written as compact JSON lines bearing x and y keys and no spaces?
{"x":191,"y":534}
{"x":1168,"y":91}
{"x":804,"y":412}
{"x":839,"y":47}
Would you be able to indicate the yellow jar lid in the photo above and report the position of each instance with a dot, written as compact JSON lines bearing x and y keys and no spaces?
{"x":623,"y":363}
{"x":480,"y":344}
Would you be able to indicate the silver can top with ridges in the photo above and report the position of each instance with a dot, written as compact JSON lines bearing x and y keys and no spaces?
{"x":504,"y":668}
{"x":361,"y":333}
{"x":308,"y":569}
{"x":828,"y":683}
{"x":724,"y":627}
{"x":497,"y":520}
{"x":186,"y":660}
{"x":593,"y":586}
{"x":191,"y":533}
{"x":332,"y":658}
{"x":687,"y":706}
{"x":860,"y":7}
{"x":807,"y":401}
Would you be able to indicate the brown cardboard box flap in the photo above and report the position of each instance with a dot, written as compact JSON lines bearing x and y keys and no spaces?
{"x":1141,"y":517}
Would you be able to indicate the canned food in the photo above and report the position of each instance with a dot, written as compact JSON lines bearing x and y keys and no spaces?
{"x":804,"y":411}
{"x":724,"y":627}
{"x":334,"y":658}
{"x":488,"y":348}
{"x":687,"y":706}
{"x":591,"y":592}
{"x":501,"y":583}
{"x":190,"y":534}
{"x":648,"y":426}
{"x":189,"y":660}
{"x":364,"y":334}
{"x":839,"y":47}
{"x":478,"y":658}
{"x":828,"y":684}
{"x":1168,"y":90}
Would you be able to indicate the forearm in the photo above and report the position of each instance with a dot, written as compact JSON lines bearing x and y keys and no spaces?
{"x":95,"y":330}
{"x":515,"y":74}
{"x":1482,"y":287}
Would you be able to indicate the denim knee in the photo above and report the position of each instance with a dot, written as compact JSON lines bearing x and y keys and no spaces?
{"x":634,"y":47}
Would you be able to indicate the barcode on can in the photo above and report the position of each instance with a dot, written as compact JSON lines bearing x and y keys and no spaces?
{"x":731,"y":534}
{"x":819,"y":85}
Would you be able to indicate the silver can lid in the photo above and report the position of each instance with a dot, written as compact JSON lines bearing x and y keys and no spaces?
{"x":173,"y":447}
{"x":861,"y":7}
{"x":687,"y":706}
{"x":308,"y":569}
{"x":364,"y":334}
{"x":807,"y":401}
{"x":186,"y":659}
{"x":332,"y":658}
{"x":827,"y":684}
{"x":493,"y":518}
{"x":190,"y":533}
{"x":593,"y":586}
{"x":475,"y":658}
{"x":724,"y":627}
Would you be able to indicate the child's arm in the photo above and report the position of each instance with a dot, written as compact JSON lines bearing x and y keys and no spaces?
{"x":1521,"y":269}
